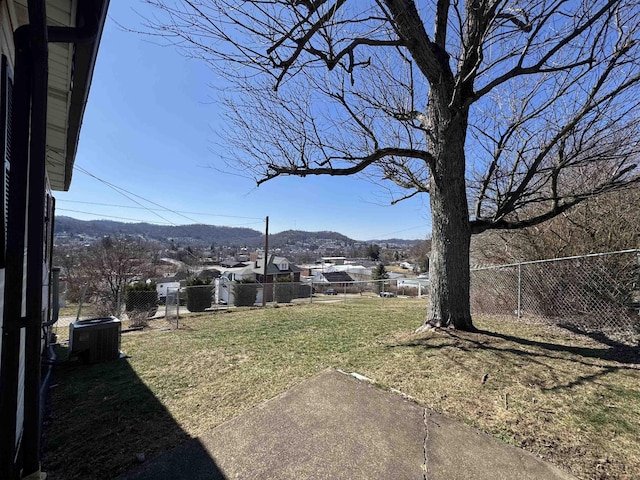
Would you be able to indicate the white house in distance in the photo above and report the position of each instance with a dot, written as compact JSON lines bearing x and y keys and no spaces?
{"x":277,"y":267}
{"x":355,"y":271}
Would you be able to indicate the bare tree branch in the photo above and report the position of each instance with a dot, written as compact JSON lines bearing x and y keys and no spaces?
{"x":362,"y":163}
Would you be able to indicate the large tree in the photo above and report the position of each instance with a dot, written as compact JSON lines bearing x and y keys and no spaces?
{"x":488,"y":106}
{"x":108,"y":265}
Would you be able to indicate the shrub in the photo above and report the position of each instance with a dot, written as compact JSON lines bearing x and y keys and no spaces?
{"x":199,"y":294}
{"x":142,"y":287}
{"x":245,"y":293}
{"x":141,"y":296}
{"x":284,"y":289}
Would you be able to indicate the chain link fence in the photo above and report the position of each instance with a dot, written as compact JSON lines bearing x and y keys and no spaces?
{"x":243,"y":294}
{"x":134,"y":307}
{"x":384,"y":288}
{"x":590,"y":293}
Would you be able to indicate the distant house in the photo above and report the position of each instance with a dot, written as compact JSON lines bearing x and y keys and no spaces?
{"x":278,"y":268}
{"x":223,"y":288}
{"x":355,"y":272}
{"x":334,"y":260}
{"x":232,"y":262}
{"x":236,"y":274}
{"x":209,"y":274}
{"x":336,"y":278}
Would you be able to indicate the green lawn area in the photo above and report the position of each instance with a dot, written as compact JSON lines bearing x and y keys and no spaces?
{"x":567,"y":398}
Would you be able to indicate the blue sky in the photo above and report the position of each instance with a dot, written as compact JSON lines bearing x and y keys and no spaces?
{"x":149,"y":129}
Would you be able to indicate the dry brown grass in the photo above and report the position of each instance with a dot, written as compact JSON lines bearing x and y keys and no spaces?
{"x":567,"y":398}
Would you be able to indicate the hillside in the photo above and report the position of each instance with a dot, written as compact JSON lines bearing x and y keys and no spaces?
{"x":292,"y":237}
{"x":69,"y":229}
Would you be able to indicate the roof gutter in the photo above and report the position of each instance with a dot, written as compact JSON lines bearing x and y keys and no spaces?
{"x":86,"y":37}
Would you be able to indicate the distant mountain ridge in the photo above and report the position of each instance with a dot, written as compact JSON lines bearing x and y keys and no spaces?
{"x":198,"y":234}
{"x":192,"y":234}
{"x":289,"y":237}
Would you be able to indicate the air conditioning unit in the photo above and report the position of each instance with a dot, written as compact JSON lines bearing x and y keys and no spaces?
{"x":95,"y":340}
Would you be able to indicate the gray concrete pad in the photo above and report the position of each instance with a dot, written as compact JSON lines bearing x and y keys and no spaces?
{"x":457,"y":451}
{"x":334,"y":426}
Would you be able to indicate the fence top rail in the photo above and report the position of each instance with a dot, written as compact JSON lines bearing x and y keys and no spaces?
{"x":546,"y":260}
{"x":352,"y":282}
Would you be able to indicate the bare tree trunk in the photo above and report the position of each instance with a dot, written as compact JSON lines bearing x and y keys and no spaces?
{"x":449,"y":304}
{"x":449,"y":264}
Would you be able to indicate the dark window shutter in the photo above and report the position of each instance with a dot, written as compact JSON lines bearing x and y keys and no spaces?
{"x":5,"y":150}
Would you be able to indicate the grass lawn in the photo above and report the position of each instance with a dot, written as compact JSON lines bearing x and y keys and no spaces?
{"x":567,"y":398}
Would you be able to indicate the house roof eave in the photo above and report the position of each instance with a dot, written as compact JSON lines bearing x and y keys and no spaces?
{"x":83,"y":65}
{"x":71,"y":66}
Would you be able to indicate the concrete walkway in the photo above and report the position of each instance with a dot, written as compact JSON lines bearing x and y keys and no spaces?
{"x":334,"y":426}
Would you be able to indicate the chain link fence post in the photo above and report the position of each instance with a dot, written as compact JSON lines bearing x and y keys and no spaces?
{"x":172,"y":305}
{"x":519,"y":290}
{"x":119,"y":303}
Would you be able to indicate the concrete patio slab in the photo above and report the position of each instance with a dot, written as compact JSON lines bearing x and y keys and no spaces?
{"x":334,"y":426}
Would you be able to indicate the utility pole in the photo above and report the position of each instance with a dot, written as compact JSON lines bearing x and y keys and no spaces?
{"x":265,"y":262}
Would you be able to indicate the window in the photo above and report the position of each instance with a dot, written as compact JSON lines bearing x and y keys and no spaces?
{"x":6,"y":86}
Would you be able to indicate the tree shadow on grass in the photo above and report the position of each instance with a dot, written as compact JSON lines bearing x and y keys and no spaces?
{"x":613,"y":352}
{"x":610,"y":351}
{"x":507,"y":347}
{"x":104,"y":421}
{"x":602,"y":338}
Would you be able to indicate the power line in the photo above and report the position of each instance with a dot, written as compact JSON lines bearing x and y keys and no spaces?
{"x":128,"y":194}
{"x":146,"y":221}
{"x":400,"y":231}
{"x":111,"y":216}
{"x":144,"y":208}
{"x":122,"y":191}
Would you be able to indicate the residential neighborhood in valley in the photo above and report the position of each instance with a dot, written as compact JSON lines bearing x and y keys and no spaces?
{"x":222,"y":257}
